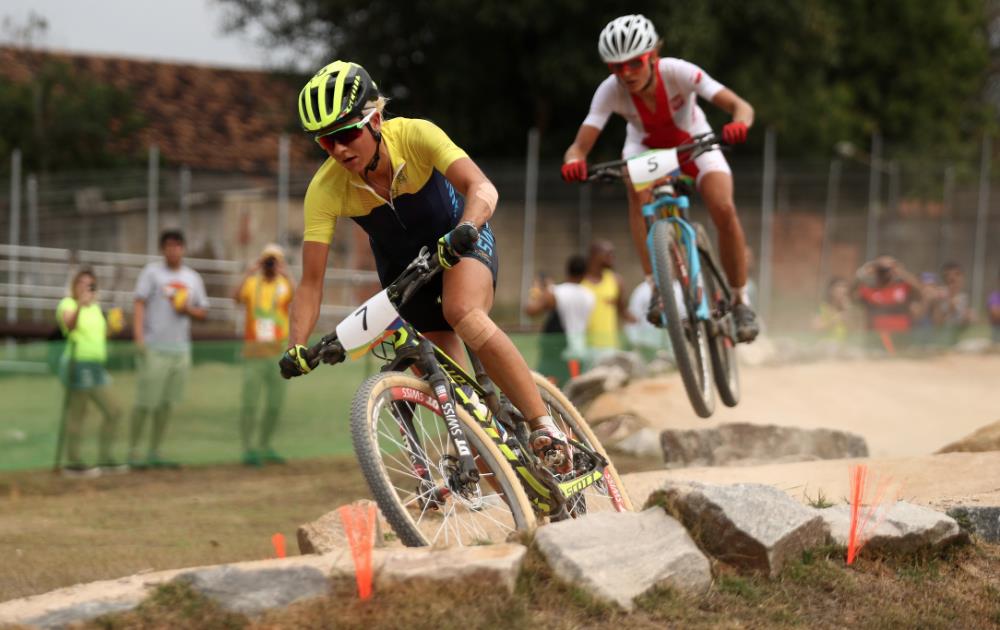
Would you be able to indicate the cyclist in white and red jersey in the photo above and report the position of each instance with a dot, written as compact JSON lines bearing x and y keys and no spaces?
{"x":658,"y":99}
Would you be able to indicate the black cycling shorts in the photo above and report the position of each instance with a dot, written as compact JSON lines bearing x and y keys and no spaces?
{"x":424,"y":310}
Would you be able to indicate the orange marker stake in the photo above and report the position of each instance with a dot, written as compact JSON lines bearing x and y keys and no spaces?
{"x":574,"y":368}
{"x":866,"y":515}
{"x":278,"y":541}
{"x":359,"y":529}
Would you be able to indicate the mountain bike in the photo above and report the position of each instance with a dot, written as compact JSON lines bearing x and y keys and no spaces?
{"x":691,"y":284}
{"x":444,"y":452}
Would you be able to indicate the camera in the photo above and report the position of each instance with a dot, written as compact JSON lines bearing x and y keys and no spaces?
{"x":269,"y":263}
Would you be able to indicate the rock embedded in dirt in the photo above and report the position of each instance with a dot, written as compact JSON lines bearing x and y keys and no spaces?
{"x":618,"y":556}
{"x":252,"y":587}
{"x":583,"y":389}
{"x":895,"y":528}
{"x":983,"y":521}
{"x":326,"y":533}
{"x":630,"y":362}
{"x":616,"y":429}
{"x":985,"y":438}
{"x":751,"y":444}
{"x":752,"y":527}
{"x":643,"y":443}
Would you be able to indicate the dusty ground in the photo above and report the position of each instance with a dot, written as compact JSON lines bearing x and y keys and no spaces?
{"x":939,"y":481}
{"x":902,"y":407}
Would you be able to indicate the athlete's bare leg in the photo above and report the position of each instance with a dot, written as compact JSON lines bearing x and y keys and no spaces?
{"x":716,"y":190}
{"x":468,"y":286}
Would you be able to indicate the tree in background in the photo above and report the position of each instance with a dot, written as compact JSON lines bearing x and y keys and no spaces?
{"x":62,"y":118}
{"x":818,"y":71}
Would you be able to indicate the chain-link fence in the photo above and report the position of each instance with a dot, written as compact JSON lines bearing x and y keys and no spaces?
{"x":823,"y":218}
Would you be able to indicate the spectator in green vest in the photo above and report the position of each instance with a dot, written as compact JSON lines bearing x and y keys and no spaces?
{"x":83,"y":373}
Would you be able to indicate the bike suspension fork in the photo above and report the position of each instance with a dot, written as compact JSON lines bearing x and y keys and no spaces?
{"x":467,"y":471}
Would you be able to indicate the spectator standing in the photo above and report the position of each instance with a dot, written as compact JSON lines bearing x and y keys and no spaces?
{"x":993,"y":310}
{"x":83,"y":373}
{"x":956,"y":312}
{"x":265,"y":292}
{"x":168,"y":295}
{"x":887,"y":290}
{"x":601,"y":279}
{"x":645,"y":338}
{"x":564,"y":333}
{"x":834,"y":312}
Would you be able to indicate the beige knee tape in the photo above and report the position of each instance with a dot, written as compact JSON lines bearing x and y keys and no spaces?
{"x":475,"y":329}
{"x":488,"y":193}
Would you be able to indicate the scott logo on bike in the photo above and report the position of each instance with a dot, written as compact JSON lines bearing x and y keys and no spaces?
{"x":451,"y":419}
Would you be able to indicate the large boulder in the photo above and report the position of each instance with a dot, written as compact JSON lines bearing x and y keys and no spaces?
{"x":618,"y":556}
{"x":985,"y":438}
{"x":897,"y":528}
{"x":252,"y":587}
{"x":981,"y":520}
{"x":583,"y":389}
{"x":326,"y":533}
{"x":744,"y":444}
{"x":752,"y":527}
{"x":643,"y":443}
{"x":630,"y":362}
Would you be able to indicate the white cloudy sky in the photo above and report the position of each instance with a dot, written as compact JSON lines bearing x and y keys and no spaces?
{"x":179,"y":30}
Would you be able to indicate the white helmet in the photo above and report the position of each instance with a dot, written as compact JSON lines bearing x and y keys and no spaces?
{"x":626,"y":37}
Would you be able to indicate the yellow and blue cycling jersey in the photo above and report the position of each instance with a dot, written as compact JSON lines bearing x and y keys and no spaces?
{"x":422,"y":206}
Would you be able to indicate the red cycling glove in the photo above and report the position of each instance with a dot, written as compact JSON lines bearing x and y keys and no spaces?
{"x":734,"y":133}
{"x":575,"y":171}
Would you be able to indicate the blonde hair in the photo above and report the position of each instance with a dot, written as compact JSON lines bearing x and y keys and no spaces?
{"x":378,"y":105}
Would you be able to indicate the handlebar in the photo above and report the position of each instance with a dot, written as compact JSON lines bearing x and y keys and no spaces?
{"x":418,"y":273}
{"x":699,"y":144}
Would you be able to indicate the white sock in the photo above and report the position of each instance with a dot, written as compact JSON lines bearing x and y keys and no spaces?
{"x":741,"y":295}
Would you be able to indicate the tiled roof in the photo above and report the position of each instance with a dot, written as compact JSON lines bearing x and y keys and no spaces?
{"x":204,"y":117}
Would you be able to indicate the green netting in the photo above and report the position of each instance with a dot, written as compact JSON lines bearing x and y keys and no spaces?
{"x":204,"y":426}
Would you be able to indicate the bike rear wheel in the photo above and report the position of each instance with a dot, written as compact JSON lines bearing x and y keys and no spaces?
{"x":410,"y":463}
{"x":607,"y":494}
{"x":688,"y":334}
{"x":721,"y":347}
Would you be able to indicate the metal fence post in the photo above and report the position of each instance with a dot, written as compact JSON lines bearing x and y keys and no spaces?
{"x":767,"y":225}
{"x":153,"y":200}
{"x":874,"y":192}
{"x":586,"y":228}
{"x":829,"y":219}
{"x":283,"y":165}
{"x":15,"y":233}
{"x":982,"y":225}
{"x":31,"y":192}
{"x":182,"y":199}
{"x":530,"y":213}
{"x":947,"y":200}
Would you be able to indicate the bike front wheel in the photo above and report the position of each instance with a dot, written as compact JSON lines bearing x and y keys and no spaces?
{"x":688,"y":334}
{"x":606,"y":495}
{"x":411,"y":466}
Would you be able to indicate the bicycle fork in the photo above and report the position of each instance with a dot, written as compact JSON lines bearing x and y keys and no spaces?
{"x":467,"y":471}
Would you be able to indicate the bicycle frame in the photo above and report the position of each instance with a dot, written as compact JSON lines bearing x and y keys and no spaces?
{"x":548,"y":494}
{"x":676,"y":214}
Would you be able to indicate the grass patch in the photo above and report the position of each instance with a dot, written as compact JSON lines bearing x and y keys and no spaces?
{"x":820,"y":501}
{"x":173,"y":605}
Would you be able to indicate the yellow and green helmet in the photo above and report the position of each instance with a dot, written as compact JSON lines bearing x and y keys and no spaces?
{"x":338,"y":92}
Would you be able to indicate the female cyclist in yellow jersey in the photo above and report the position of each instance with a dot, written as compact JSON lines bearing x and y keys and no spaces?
{"x":400,"y":180}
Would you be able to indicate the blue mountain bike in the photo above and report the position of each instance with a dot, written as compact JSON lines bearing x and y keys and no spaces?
{"x":692,"y":288}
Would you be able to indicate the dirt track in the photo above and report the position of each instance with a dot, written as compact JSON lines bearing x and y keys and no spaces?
{"x":902,"y":407}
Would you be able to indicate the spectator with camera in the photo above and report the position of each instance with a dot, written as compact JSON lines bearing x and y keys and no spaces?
{"x":887,"y":292}
{"x":82,"y":371}
{"x":265,"y":291}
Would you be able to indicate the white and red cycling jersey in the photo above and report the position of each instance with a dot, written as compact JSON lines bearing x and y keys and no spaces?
{"x":675,"y":121}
